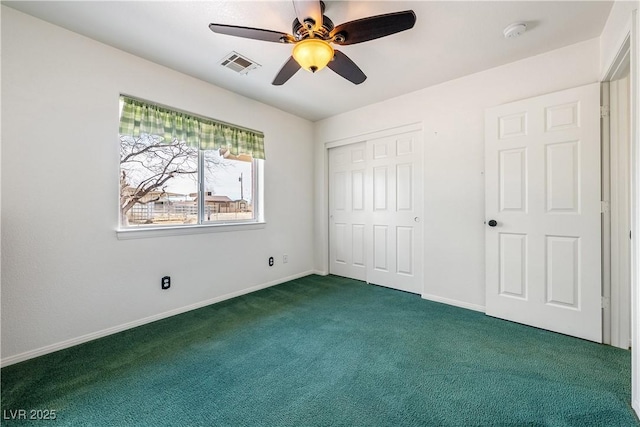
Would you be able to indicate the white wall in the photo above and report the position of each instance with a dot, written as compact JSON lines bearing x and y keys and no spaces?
{"x":616,"y":29}
{"x":66,"y":277}
{"x":452,"y":115}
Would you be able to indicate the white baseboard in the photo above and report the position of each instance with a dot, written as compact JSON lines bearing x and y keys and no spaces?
{"x":110,"y":331}
{"x":456,"y":303}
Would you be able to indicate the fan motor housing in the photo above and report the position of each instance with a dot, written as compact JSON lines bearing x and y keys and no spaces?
{"x":301,"y":32}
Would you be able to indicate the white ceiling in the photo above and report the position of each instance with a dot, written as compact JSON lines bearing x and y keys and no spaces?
{"x":450,"y":39}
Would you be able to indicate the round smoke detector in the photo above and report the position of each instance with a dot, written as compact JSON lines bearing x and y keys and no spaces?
{"x":514,"y":30}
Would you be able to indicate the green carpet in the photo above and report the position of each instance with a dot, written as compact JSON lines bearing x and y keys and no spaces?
{"x":326,"y":351}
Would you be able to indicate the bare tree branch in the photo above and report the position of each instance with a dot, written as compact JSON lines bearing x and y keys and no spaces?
{"x":148,"y":163}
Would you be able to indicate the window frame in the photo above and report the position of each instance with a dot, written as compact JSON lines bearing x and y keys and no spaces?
{"x":203,"y":225}
{"x":258,"y":222}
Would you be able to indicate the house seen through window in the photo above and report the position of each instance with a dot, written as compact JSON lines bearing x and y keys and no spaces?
{"x":178,"y":169}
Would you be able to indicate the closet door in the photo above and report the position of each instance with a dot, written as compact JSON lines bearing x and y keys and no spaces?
{"x":347,"y":213}
{"x":375,"y":211}
{"x":394,"y":220}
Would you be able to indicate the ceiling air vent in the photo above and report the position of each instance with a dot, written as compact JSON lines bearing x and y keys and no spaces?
{"x":238,"y":63}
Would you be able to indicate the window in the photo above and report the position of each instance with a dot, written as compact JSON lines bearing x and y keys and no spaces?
{"x":178,"y":169}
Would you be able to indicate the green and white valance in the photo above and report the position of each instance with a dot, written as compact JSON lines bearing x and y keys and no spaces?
{"x":139,"y":117}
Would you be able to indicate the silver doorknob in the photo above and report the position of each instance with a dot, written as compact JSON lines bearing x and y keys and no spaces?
{"x":416,"y":219}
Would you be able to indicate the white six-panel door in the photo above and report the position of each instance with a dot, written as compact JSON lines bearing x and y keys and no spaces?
{"x":542,"y":166}
{"x":375,"y":210}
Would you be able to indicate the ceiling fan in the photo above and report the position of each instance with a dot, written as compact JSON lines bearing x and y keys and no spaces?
{"x":313,"y":34}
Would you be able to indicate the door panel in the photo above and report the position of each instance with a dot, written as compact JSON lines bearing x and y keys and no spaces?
{"x":380,"y":248}
{"x":404,"y":250}
{"x":513,"y":178}
{"x":542,"y":166}
{"x":562,"y":177}
{"x":562,"y":270}
{"x":513,"y":262}
{"x":357,"y":235}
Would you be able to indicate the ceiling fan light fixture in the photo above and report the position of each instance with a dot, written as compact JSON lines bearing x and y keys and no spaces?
{"x":313,"y":54}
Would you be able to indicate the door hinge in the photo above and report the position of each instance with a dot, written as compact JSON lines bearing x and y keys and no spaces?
{"x":604,"y":111}
{"x":604,"y":206}
{"x":604,"y":302}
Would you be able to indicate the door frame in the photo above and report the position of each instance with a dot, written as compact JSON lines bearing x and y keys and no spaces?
{"x":615,"y":228}
{"x":616,"y":183}
{"x":411,"y":127}
{"x":631,"y":43}
{"x":634,"y":102}
{"x":381,"y":133}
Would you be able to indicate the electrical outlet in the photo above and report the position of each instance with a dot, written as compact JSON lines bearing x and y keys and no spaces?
{"x":285,"y":258}
{"x":271,"y":261}
{"x":166,"y":282}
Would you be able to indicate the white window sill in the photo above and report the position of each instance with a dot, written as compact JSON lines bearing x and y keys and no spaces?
{"x":180,"y":230}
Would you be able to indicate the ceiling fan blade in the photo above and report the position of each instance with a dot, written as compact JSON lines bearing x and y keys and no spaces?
{"x":345,"y":67}
{"x":252,"y":33}
{"x":309,"y":9}
{"x":373,"y":27}
{"x":286,"y":72}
